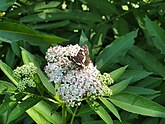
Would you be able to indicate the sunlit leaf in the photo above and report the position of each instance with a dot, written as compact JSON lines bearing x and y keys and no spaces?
{"x":8,"y":71}
{"x":101,"y":112}
{"x":117,"y":73}
{"x":28,"y":57}
{"x":111,"y":107}
{"x":6,"y":87}
{"x":22,"y":107}
{"x":45,"y":110}
{"x":117,"y":88}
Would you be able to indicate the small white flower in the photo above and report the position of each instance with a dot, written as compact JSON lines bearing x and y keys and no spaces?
{"x":76,"y":75}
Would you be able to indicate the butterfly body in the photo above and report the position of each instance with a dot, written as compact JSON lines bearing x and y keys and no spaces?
{"x":81,"y":59}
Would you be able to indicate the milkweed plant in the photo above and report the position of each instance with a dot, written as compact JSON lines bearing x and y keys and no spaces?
{"x":73,"y":74}
{"x":69,"y":86}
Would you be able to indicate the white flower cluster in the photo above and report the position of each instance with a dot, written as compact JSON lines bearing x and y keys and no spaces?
{"x":71,"y":69}
{"x":25,"y":74}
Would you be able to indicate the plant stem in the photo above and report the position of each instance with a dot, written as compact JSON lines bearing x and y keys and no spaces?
{"x":64,"y":114}
{"x":72,"y":119}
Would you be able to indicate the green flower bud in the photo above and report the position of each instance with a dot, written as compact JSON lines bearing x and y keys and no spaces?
{"x":106,"y":79}
{"x":26,"y":74}
{"x":107,"y":91}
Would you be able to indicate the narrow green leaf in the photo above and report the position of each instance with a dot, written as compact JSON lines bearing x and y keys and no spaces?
{"x":84,"y":40}
{"x":6,"y":87}
{"x":22,"y":107}
{"x":149,"y":61}
{"x":5,"y":4}
{"x":10,"y":58}
{"x":6,"y":105}
{"x":131,"y":62}
{"x":104,"y":7}
{"x":157,"y":34}
{"x":74,"y":15}
{"x":148,"y":81}
{"x":135,"y":74}
{"x":8,"y":71}
{"x":10,"y":103}
{"x":111,"y":107}
{"x":117,"y":88}
{"x":112,"y":53}
{"x":98,"y":37}
{"x":16,"y":49}
{"x":84,"y":110}
{"x":28,"y":57}
{"x":37,"y":117}
{"x":140,"y":90}
{"x":117,"y":73}
{"x":138,"y":105}
{"x":46,"y":111}
{"x":51,"y":25}
{"x":10,"y":31}
{"x":101,"y":112}
{"x":120,"y":27}
{"x":37,"y":7}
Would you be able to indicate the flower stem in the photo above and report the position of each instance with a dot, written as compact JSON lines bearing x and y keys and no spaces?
{"x":64,"y":114}
{"x":72,"y":119}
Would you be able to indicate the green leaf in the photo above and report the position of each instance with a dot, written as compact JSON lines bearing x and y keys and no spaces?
{"x":5,"y":4}
{"x":140,"y":90}
{"x":10,"y":58}
{"x":6,"y":87}
{"x":37,"y":7}
{"x":8,"y":72}
{"x":117,"y":73}
{"x":37,"y":117}
{"x":22,"y":107}
{"x":28,"y":57}
{"x":135,"y":74}
{"x":120,"y":27}
{"x":112,"y":53}
{"x":149,"y":61}
{"x":104,"y":7}
{"x":45,"y":110}
{"x":101,"y":112}
{"x":84,"y":110}
{"x":157,"y":34}
{"x":51,"y":25}
{"x":117,"y":88}
{"x":98,"y":37}
{"x":138,"y":105}
{"x":148,"y":81}
{"x":10,"y":31}
{"x":16,"y":49}
{"x":6,"y":105}
{"x":75,"y":15}
{"x":84,"y":40}
{"x":131,"y":62}
{"x":10,"y":102}
{"x":111,"y":107}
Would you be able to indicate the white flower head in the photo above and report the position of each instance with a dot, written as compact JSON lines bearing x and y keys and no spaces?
{"x":72,"y":69}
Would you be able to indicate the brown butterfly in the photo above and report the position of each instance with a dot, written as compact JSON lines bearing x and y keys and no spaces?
{"x":81,"y":59}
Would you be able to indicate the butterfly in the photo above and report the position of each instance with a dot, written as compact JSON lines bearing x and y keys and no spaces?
{"x":81,"y":59}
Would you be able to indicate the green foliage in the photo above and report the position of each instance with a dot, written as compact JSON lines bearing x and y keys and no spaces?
{"x":126,"y":39}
